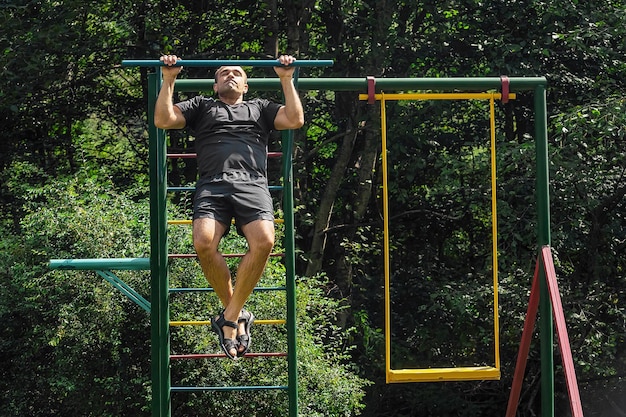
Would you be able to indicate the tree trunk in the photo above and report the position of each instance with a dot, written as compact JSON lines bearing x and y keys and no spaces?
{"x":324,"y":212}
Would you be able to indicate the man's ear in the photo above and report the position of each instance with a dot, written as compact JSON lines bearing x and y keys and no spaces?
{"x":215,"y":87}
{"x":245,"y":88}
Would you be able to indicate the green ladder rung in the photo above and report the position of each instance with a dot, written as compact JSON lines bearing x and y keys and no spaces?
{"x":240,"y":388}
{"x":208,"y":289}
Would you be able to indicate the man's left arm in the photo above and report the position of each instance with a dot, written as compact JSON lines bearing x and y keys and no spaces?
{"x":291,"y":115}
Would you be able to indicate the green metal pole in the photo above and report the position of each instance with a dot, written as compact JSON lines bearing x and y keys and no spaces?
{"x":290,"y":268}
{"x":214,"y":63}
{"x":159,"y":319}
{"x":386,"y":84}
{"x":290,"y":278}
{"x":546,"y":327}
{"x":135,"y":264}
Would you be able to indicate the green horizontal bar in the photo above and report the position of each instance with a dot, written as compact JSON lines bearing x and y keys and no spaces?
{"x":241,"y":388}
{"x":382,"y":84}
{"x":208,"y":289}
{"x":102,"y":264}
{"x":219,"y":62}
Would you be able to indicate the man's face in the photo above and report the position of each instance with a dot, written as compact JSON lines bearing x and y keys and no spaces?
{"x":230,"y":82}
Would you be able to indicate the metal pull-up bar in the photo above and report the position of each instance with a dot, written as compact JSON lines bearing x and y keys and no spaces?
{"x":221,"y":62}
{"x":458,"y":84}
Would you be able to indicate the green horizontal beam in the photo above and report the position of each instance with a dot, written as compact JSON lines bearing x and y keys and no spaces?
{"x":381,"y":84}
{"x":102,"y":264}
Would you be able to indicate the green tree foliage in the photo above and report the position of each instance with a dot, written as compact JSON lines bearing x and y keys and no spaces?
{"x":71,"y":345}
{"x":84,"y":349}
{"x":56,"y":62}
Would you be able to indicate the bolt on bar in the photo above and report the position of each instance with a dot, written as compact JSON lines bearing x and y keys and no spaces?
{"x":219,"y":62}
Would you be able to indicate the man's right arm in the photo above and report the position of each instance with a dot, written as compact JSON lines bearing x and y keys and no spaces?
{"x":166,"y":115}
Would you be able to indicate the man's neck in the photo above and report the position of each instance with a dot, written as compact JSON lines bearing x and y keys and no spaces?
{"x":231,"y":101}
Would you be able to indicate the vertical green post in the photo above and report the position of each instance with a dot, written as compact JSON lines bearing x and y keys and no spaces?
{"x":290,"y":278}
{"x":159,"y":318}
{"x":290,"y":267}
{"x":546,"y":328}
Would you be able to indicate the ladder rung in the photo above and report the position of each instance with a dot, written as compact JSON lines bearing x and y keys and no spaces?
{"x":240,"y":388}
{"x":225,"y":255}
{"x":177,"y":189}
{"x":223,"y":355}
{"x":209,"y":289}
{"x":189,"y":221}
{"x":181,"y":188}
{"x":193,"y":155}
{"x":208,"y":322}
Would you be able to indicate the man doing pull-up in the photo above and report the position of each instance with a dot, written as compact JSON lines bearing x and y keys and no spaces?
{"x":231,"y":145}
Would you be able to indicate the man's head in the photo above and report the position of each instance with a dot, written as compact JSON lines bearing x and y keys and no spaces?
{"x":231,"y":83}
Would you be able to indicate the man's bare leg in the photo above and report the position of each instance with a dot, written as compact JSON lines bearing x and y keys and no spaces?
{"x":206,"y":238}
{"x":260,"y":237}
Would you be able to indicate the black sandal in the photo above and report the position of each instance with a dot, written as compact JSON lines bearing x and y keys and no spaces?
{"x":244,"y":340}
{"x":225,"y":344}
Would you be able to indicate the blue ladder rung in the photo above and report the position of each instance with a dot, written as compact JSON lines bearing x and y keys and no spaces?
{"x":239,"y":388}
{"x":180,"y":189}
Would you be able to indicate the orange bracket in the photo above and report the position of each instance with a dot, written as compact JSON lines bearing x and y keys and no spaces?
{"x":505,"y":89}
{"x":371,"y":89}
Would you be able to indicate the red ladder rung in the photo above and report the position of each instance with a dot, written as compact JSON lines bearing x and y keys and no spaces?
{"x":193,"y":155}
{"x":225,"y":255}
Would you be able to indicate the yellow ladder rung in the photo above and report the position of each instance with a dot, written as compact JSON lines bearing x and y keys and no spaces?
{"x":208,"y":322}
{"x":275,"y":322}
{"x":179,"y":221}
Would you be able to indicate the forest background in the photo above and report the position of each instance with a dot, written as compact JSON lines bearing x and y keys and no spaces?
{"x":73,"y":184}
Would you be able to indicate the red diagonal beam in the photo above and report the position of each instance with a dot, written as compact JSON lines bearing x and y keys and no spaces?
{"x":561,"y":330}
{"x":524,"y":347}
{"x":563,"y":339}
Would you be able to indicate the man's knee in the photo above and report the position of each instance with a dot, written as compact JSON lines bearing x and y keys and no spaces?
{"x":265,"y":243}
{"x":207,"y":234}
{"x":201,"y":243}
{"x":260,"y":236}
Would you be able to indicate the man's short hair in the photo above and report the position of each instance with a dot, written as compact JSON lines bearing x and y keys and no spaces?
{"x":218,"y":70}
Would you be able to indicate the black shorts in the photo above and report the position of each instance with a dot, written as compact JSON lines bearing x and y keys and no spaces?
{"x":231,"y":195}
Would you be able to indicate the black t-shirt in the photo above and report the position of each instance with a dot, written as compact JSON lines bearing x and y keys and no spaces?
{"x":230,"y":138}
